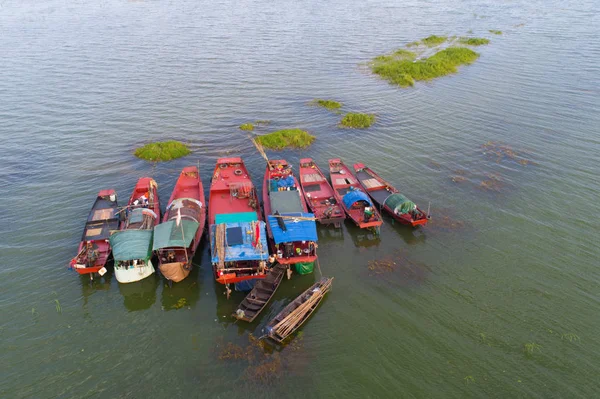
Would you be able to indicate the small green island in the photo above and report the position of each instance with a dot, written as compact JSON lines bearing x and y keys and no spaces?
{"x":286,"y":138}
{"x":247,"y":126}
{"x":429,"y":41}
{"x":162,"y":151}
{"x":474,"y":41}
{"x":327,"y":104}
{"x":357,"y":121}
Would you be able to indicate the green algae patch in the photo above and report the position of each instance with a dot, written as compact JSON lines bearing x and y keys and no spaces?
{"x":495,"y":32}
{"x":433,"y":40}
{"x":327,"y":104}
{"x":286,"y":138}
{"x":474,"y":41}
{"x":404,"y":72}
{"x":162,"y":151}
{"x":357,"y":121}
{"x":247,"y":126}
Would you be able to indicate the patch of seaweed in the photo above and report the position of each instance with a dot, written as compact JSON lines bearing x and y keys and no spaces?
{"x":473,"y":41}
{"x":331,"y":105}
{"x":181,"y":302}
{"x":357,"y":121}
{"x":446,"y":223}
{"x":247,"y":126}
{"x":492,"y":183}
{"x":162,"y":151}
{"x":495,"y":32}
{"x":281,"y":139}
{"x":399,"y":265}
{"x":262,"y":122}
{"x":504,"y":152}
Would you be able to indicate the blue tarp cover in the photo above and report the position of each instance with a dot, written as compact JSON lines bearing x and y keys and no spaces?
{"x":243,"y":251}
{"x":355,"y":195}
{"x":301,"y":230}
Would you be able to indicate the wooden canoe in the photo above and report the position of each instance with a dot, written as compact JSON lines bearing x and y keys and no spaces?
{"x":298,"y":311}
{"x":261,"y":294}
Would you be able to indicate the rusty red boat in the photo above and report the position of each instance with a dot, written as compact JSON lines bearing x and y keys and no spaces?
{"x":132,"y":246}
{"x":177,"y":238}
{"x":348,"y":192}
{"x":238,"y":238}
{"x":389,"y":198}
{"x":319,"y":194}
{"x":94,"y":248}
{"x":291,"y":228}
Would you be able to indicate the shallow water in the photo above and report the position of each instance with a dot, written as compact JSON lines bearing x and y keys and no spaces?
{"x":504,"y":263}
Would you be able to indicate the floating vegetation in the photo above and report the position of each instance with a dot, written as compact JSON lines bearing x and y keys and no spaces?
{"x":262,"y":122}
{"x":357,"y":121}
{"x":473,"y":41}
{"x":458,"y":179}
{"x":162,"y":151}
{"x":469,"y":379}
{"x":281,"y":139}
{"x":58,"y":307}
{"x":404,"y":72}
{"x":328,"y":104}
{"x":400,"y":265}
{"x":569,"y":337}
{"x":429,"y":41}
{"x":531,"y":347}
{"x":495,"y":32}
{"x":382,"y":266}
{"x":446,"y":223}
{"x":181,"y":302}
{"x":503,"y":152}
{"x":247,"y":126}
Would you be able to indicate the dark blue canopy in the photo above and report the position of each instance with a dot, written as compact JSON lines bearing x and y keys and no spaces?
{"x":297,"y":230}
{"x":355,"y":195}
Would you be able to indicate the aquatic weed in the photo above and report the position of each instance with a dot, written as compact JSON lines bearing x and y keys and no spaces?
{"x":357,"y":121}
{"x":433,"y":40}
{"x":280,"y":139}
{"x":262,"y":122}
{"x":495,"y":32}
{"x":473,"y":41}
{"x":181,"y":302}
{"x":531,"y":347}
{"x":469,"y":379}
{"x":247,"y":126}
{"x":58,"y":307}
{"x":327,"y":104}
{"x":162,"y":151}
{"x":570,"y":337}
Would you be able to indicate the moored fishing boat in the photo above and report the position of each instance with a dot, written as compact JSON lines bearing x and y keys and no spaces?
{"x":348,"y":193}
{"x":261,"y":294}
{"x":292,"y":230}
{"x":238,"y":239}
{"x":298,"y":311}
{"x":94,"y":248}
{"x":177,"y":238}
{"x":389,"y":198}
{"x":319,"y":194}
{"x":132,"y":246}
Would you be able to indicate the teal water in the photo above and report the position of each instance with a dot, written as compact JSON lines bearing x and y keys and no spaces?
{"x":84,"y":83}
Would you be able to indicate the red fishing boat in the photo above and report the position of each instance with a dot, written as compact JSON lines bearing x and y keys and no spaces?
{"x":348,"y":193}
{"x":319,"y":195}
{"x":94,"y":248}
{"x":132,"y":245}
{"x":178,"y":236}
{"x":292,"y":230}
{"x":238,"y":239}
{"x":389,"y":198}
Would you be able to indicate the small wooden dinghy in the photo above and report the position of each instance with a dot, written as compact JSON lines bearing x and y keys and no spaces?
{"x":298,"y":311}
{"x":261,"y":294}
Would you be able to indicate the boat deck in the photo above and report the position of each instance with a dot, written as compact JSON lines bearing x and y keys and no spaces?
{"x":374,"y":187}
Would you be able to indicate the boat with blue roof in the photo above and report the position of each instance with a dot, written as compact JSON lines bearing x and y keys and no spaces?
{"x":238,"y":238}
{"x":291,"y":228}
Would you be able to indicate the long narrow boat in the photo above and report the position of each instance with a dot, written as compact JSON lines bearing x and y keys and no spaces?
{"x":238,"y":239}
{"x":389,"y":198}
{"x":132,"y":246}
{"x":298,"y":311}
{"x":177,"y":238}
{"x":319,"y":194}
{"x":292,"y":230}
{"x":94,"y":248}
{"x":261,"y":294}
{"x":348,"y":193}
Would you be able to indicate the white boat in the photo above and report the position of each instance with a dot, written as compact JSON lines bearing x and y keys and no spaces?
{"x":132,"y":251}
{"x":131,"y":271}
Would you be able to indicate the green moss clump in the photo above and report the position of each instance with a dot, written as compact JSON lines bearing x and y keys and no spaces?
{"x":162,"y":151}
{"x":247,"y":126}
{"x":433,"y":40}
{"x":473,"y":41}
{"x":405,"y":72}
{"x":357,"y":121}
{"x":328,"y":104}
{"x":281,"y":139}
{"x":496,"y":32}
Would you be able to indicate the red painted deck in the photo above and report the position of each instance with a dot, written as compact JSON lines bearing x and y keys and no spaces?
{"x":341,"y":180}
{"x":319,"y":194}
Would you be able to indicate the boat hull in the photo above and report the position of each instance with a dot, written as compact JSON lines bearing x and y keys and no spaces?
{"x":175,"y":271}
{"x":318,"y":194}
{"x":134,"y":273}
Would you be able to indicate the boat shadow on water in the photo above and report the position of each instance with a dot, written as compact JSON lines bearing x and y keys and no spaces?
{"x":140,"y":295}
{"x":186,"y":293}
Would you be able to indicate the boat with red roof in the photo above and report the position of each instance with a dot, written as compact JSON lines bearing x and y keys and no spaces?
{"x":238,"y":238}
{"x":94,"y":248}
{"x":319,"y":194}
{"x":291,"y":228}
{"x":348,"y":192}
{"x":132,"y":245}
{"x":389,"y":198}
{"x":177,"y":238}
